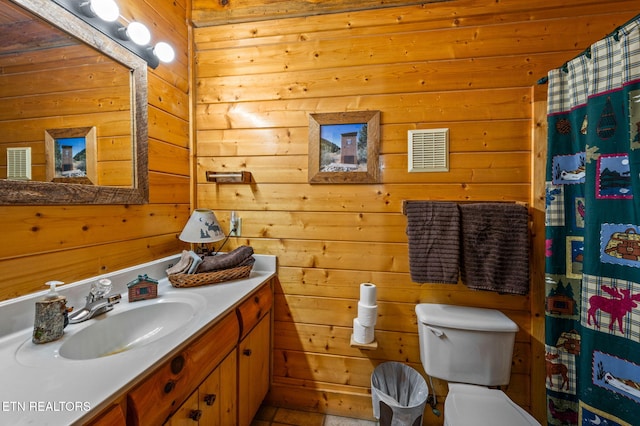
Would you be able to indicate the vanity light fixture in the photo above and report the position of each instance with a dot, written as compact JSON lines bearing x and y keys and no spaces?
{"x":164,"y":52}
{"x":137,"y":33}
{"x":104,"y":15}
{"x":107,"y":10}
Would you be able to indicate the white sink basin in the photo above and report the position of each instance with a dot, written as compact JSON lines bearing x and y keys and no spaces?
{"x":127,"y":327}
{"x":126,"y":330}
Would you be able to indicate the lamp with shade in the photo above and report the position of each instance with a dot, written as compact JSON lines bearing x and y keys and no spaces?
{"x":202,"y":228}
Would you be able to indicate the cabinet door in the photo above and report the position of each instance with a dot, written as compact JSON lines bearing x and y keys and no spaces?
{"x":253,"y":370}
{"x":188,"y":414}
{"x":217,"y":394}
{"x":114,"y":416}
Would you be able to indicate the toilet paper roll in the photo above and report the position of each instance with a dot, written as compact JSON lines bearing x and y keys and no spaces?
{"x":368,"y":294}
{"x":367,"y":315}
{"x":362,"y":334}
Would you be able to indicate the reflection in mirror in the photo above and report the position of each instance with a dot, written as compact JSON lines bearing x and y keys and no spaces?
{"x":61,"y":79}
{"x":70,"y":155}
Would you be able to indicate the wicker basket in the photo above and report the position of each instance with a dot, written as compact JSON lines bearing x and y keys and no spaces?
{"x":205,"y":278}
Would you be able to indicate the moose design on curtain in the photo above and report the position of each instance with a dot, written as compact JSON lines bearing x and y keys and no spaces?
{"x":593,"y":235}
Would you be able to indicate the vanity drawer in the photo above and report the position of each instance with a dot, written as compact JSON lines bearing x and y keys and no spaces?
{"x":153,"y":401}
{"x":254,"y":308}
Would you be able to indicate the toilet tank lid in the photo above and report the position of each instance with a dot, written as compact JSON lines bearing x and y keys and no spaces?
{"x":464,"y":318}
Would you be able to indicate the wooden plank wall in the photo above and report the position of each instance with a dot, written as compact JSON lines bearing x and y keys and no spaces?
{"x":207,"y":13}
{"x":70,"y":243}
{"x":466,"y":65}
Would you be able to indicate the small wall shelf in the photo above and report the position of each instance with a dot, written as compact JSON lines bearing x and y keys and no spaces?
{"x":366,"y":346}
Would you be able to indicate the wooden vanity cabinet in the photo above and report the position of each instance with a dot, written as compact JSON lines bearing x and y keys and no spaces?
{"x":219,"y":379}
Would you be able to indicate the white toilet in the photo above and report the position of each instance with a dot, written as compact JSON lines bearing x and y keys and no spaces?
{"x":471,"y":348}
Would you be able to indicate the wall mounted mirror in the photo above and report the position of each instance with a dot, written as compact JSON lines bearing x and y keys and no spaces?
{"x":60,"y":80}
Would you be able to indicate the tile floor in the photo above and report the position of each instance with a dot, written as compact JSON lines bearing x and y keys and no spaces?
{"x":273,"y":416}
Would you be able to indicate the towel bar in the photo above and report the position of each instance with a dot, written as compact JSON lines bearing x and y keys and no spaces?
{"x":521,"y":203}
{"x":229,"y":177}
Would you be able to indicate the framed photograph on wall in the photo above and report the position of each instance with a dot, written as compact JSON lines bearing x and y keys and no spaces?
{"x":71,"y":155}
{"x":344,"y":147}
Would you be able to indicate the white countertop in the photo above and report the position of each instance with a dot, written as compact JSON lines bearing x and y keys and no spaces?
{"x":59,"y":391}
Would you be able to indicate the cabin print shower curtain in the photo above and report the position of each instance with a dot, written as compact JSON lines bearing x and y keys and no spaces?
{"x":593,"y":235}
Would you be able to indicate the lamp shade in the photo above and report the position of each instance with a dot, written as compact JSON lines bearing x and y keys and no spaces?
{"x":202,"y":227}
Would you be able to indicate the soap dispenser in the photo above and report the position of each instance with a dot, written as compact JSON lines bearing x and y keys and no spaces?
{"x":51,"y":316}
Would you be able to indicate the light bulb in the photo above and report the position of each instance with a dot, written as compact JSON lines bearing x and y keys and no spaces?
{"x":164,"y":52}
{"x":138,"y":33}
{"x":107,"y":10}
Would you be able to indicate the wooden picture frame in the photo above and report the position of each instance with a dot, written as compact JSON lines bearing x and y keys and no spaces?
{"x":61,"y":166}
{"x":344,"y":147}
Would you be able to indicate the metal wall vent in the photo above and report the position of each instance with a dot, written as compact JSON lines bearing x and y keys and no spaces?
{"x":19,"y":163}
{"x":429,"y":150}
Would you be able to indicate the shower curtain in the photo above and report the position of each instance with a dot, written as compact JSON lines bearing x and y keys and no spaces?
{"x":592,"y":347}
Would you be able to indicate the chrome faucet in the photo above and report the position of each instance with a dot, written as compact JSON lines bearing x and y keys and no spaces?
{"x":99,"y":301}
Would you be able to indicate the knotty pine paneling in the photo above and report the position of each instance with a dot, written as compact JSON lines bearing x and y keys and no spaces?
{"x":381,"y":198}
{"x":457,"y":74}
{"x":25,"y":274}
{"x":391,"y":286}
{"x":470,"y":66}
{"x":472,"y":167}
{"x":73,"y":242}
{"x":472,"y":105}
{"x":474,"y":136}
{"x":481,"y":13}
{"x":215,"y":13}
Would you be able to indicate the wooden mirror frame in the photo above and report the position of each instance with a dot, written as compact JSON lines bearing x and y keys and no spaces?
{"x":51,"y":193}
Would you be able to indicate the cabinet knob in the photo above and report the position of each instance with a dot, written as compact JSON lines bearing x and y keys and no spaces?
{"x":177,"y":364}
{"x":169,"y":386}
{"x":246,"y":352}
{"x":195,"y":415}
{"x":210,"y":398}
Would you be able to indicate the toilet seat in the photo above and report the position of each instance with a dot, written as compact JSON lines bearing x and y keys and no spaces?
{"x":477,"y":405}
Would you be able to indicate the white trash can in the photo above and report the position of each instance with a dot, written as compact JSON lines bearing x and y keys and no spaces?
{"x":399,"y":394}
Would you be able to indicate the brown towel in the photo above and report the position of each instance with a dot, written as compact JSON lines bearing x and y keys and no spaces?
{"x":234,"y":258}
{"x":433,"y":229}
{"x":495,"y":247}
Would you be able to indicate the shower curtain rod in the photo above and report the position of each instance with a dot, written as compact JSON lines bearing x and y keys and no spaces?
{"x":587,"y":51}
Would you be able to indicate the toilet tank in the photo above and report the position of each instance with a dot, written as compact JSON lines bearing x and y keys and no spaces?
{"x":466,"y":345}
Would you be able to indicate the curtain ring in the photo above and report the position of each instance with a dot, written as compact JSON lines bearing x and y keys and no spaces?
{"x":587,"y":52}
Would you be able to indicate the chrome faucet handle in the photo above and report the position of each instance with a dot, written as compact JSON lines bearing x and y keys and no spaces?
{"x":100,"y":288}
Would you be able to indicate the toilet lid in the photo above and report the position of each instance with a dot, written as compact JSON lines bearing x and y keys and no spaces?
{"x":477,"y":405}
